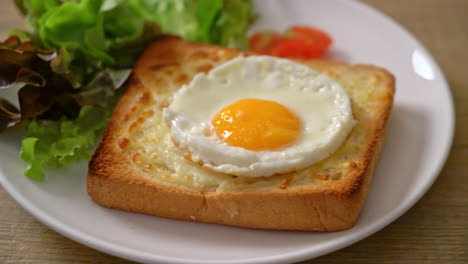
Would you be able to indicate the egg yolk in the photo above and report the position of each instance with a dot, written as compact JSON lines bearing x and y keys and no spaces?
{"x":256,"y":124}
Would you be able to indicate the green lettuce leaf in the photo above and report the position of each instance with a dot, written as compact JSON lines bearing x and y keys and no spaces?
{"x":222,"y":22}
{"x":207,"y":13}
{"x":51,"y":144}
{"x":233,"y":23}
{"x":173,"y":16}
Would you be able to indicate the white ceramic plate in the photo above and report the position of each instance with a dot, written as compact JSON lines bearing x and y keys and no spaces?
{"x":419,"y":137}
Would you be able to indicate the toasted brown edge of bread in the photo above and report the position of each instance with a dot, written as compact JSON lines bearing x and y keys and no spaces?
{"x":330,"y":206}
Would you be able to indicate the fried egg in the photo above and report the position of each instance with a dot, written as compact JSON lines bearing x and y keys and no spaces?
{"x":259,"y":116}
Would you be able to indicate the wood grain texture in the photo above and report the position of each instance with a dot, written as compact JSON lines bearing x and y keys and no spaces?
{"x":435,"y":230}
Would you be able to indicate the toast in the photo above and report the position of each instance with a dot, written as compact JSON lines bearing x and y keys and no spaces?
{"x":133,"y":168}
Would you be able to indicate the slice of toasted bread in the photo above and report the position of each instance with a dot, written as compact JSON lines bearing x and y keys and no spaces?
{"x":137,"y":167}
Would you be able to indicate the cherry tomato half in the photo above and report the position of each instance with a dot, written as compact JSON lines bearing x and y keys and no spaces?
{"x":297,"y":42}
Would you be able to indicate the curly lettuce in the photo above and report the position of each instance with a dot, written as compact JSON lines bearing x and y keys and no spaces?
{"x":74,"y":56}
{"x":55,"y":143}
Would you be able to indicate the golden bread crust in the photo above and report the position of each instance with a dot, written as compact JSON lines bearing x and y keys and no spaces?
{"x":328,"y":198}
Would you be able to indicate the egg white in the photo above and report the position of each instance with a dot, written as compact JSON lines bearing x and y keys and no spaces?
{"x":321,"y":104}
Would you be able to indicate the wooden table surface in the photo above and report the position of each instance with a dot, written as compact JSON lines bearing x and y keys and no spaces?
{"x":435,"y":230}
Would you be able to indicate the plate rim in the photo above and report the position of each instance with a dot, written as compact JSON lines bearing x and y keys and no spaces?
{"x":296,"y":255}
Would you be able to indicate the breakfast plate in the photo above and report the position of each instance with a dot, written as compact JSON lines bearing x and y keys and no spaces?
{"x":419,"y":137}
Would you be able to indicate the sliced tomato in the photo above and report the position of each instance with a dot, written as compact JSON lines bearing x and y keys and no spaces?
{"x":317,"y":40}
{"x":297,"y":42}
{"x":263,"y":42}
{"x":309,"y":34}
{"x":295,"y":48}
